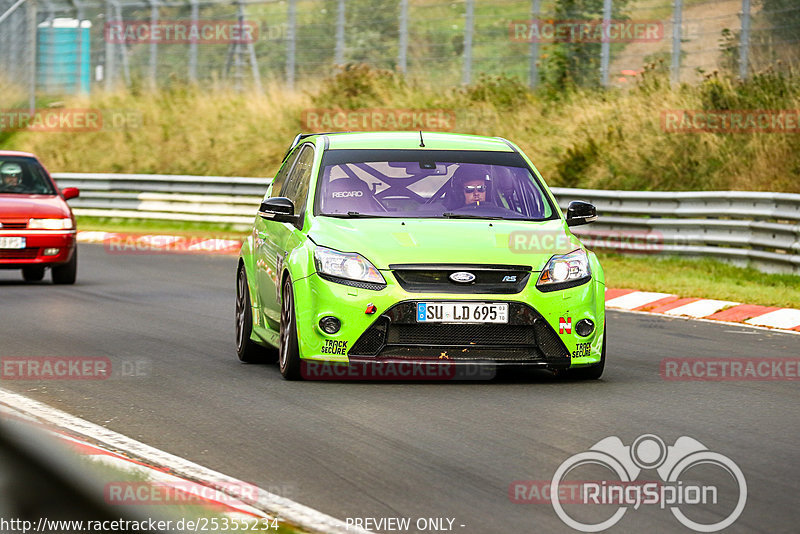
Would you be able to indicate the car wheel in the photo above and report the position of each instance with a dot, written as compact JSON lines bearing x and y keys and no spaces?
{"x":247,"y":350}
{"x":34,"y":273}
{"x":594,"y":371}
{"x":289,"y":354}
{"x":66,"y":272}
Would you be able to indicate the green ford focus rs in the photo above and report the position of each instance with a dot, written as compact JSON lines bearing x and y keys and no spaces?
{"x":416,"y":252}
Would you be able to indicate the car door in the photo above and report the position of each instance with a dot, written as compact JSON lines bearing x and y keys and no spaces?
{"x":272,"y":237}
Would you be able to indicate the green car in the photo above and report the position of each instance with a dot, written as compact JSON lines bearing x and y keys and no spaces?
{"x":424,"y":250}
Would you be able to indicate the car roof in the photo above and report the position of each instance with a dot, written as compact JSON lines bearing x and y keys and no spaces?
{"x":411,"y":141}
{"x":16,"y":153}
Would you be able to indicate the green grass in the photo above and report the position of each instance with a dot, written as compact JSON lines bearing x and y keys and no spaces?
{"x":705,"y":278}
{"x":138,"y":226}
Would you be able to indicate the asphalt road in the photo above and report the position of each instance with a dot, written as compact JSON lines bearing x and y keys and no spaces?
{"x":416,"y":450}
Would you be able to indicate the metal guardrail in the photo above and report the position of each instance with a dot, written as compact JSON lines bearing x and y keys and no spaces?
{"x":747,"y":228}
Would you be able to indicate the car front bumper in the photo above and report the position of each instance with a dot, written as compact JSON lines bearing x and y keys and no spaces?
{"x":36,"y":242}
{"x":536,"y":333}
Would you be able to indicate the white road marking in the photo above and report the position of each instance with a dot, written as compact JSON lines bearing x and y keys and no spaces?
{"x":635,"y":299}
{"x":785,"y":318}
{"x":701,"y":308}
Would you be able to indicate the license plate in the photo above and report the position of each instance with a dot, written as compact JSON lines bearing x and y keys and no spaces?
{"x":12,"y":242}
{"x":462,"y":312}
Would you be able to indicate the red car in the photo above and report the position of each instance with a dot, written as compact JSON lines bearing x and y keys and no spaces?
{"x":37,"y":227}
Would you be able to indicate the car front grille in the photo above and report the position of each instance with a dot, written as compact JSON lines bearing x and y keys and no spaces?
{"x":19,"y":254}
{"x":526,"y":337}
{"x":489,"y":279}
{"x":14,"y":225}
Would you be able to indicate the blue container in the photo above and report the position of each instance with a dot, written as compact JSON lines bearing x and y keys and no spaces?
{"x":62,"y":64}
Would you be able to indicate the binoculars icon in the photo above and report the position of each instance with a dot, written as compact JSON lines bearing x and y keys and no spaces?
{"x":648,"y":451}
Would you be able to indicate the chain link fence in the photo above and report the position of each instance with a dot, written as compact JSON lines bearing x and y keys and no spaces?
{"x":73,"y":46}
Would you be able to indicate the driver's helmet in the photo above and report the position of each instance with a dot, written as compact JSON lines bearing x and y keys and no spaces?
{"x":11,"y":174}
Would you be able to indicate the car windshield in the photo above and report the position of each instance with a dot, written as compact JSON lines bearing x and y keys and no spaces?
{"x":23,"y":176}
{"x":440,"y":184}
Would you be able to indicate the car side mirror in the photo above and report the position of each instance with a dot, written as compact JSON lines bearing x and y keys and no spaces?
{"x":70,"y":192}
{"x":580,"y":212}
{"x":279,"y":209}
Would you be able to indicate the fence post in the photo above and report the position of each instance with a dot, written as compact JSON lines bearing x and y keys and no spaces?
{"x":402,"y":47}
{"x":338,"y":57}
{"x":193,"y":46}
{"x":32,"y":55}
{"x":533,"y":77}
{"x":676,"y":40}
{"x":469,"y":23}
{"x":153,"y":44}
{"x":290,"y":44}
{"x":605,"y":47}
{"x":744,"y":40}
{"x":108,"y":68}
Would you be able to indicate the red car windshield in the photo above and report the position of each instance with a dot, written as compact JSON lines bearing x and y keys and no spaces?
{"x":437,"y":189}
{"x":23,"y":176}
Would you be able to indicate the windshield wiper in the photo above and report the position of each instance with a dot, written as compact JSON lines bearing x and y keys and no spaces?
{"x":451,"y":215}
{"x":352,"y":214}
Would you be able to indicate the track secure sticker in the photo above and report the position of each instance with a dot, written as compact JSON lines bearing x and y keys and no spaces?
{"x":334,"y":346}
{"x":582,"y":350}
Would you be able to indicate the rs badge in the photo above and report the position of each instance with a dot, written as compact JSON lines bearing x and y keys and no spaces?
{"x":565,"y":325}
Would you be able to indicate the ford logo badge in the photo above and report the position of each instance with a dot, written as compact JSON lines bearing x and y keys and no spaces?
{"x":462,"y":277}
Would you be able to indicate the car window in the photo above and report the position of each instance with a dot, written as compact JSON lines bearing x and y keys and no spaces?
{"x":296,"y":188}
{"x":283,"y":172}
{"x":408,"y":188}
{"x":19,"y":175}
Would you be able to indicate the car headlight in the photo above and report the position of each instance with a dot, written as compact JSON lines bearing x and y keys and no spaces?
{"x":50,"y":224}
{"x":346,"y":265}
{"x":565,"y":270}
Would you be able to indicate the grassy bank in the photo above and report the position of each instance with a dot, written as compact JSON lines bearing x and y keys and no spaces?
{"x":578,"y":138}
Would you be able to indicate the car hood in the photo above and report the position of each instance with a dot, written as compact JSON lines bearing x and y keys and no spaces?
{"x":398,"y":241}
{"x":16,"y":206}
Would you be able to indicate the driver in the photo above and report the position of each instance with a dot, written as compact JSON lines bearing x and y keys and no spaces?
{"x":475,"y":191}
{"x":11,"y":178}
{"x":470,"y":187}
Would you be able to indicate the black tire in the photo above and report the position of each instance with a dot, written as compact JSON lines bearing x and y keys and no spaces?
{"x":289,"y":354}
{"x":594,"y":371}
{"x":33,"y":273}
{"x":66,"y":272}
{"x":246,"y":349}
